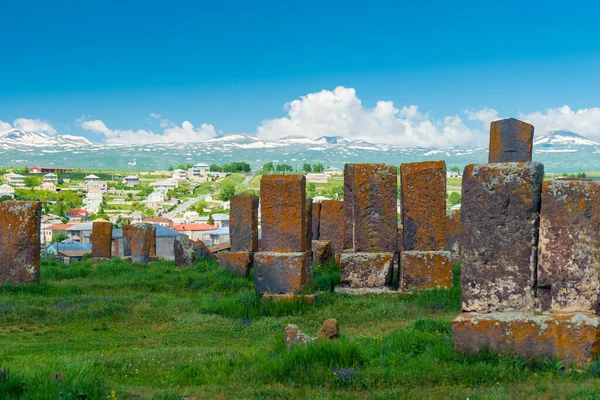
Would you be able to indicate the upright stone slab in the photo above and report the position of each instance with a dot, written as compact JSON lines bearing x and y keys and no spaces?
{"x":453,"y":233}
{"x":332,"y":224}
{"x":243,"y":222}
{"x":374,"y":208}
{"x":282,"y":273}
{"x":423,"y":187}
{"x":308,"y":224}
{"x":499,"y":233}
{"x":511,"y":140}
{"x":316,"y":216}
{"x":201,"y":250}
{"x":349,"y":206}
{"x":127,"y":238}
{"x":102,"y":239}
{"x":425,"y":270}
{"x":400,"y":238}
{"x":283,"y":212}
{"x":141,"y":241}
{"x":366,"y":270}
{"x":20,"y":241}
{"x":184,"y":253}
{"x":569,"y":250}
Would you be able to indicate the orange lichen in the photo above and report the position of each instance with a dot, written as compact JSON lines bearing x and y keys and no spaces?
{"x":237,"y":262}
{"x":101,"y":239}
{"x":425,"y":270}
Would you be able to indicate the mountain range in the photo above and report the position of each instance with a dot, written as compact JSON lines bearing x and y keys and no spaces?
{"x":19,"y":138}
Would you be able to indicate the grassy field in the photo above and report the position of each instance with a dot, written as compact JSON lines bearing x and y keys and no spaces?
{"x":98,"y":330}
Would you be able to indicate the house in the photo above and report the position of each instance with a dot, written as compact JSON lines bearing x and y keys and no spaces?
{"x":165,"y":184}
{"x":15,"y":179}
{"x":196,"y":231}
{"x":50,"y":178}
{"x":155,"y":199}
{"x":45,"y":170}
{"x":191,"y":217}
{"x":93,"y":201}
{"x":165,"y":241}
{"x":179,"y":175}
{"x":219,"y":236}
{"x":81,"y":233}
{"x":97,"y":186}
{"x":51,"y":219}
{"x":317,"y":178}
{"x":91,"y":178}
{"x":219,"y":248}
{"x":198,"y":171}
{"x":76,"y":216}
{"x":333,"y":171}
{"x":452,"y":174}
{"x":131,"y":181}
{"x":166,"y":222}
{"x":48,"y":231}
{"x":69,"y":252}
{"x":49,"y":186}
{"x":7,"y":190}
{"x":219,"y":220}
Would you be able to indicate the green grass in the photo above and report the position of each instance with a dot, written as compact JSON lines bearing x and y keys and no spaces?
{"x":114,"y":330}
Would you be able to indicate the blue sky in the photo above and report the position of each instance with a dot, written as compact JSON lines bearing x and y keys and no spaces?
{"x":234,"y":65}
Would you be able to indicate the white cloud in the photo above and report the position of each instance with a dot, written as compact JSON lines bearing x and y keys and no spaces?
{"x":341,"y":113}
{"x":486,"y":115}
{"x":5,"y":126}
{"x":585,"y":121}
{"x":155,"y":115}
{"x":34,"y":125}
{"x":184,"y":133}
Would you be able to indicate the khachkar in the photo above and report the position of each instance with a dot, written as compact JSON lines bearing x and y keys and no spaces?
{"x":20,"y":241}
{"x":284,"y":264}
{"x":141,"y":238}
{"x":518,"y":297}
{"x":102,"y":239}
{"x":511,"y":140}
{"x":424,"y":263}
{"x":243,"y":234}
{"x":370,"y":219}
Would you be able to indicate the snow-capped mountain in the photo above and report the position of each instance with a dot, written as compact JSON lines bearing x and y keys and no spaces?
{"x":333,"y":140}
{"x":297,"y":140}
{"x":234,"y":139}
{"x":563,"y":138}
{"x":19,"y":138}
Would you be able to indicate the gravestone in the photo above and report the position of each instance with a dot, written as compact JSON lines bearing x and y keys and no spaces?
{"x":511,"y":140}
{"x":102,"y":239}
{"x":243,"y":234}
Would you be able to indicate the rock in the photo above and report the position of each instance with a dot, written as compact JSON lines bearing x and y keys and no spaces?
{"x":244,"y":222}
{"x":295,"y":337}
{"x":141,"y":238}
{"x":184,"y":253}
{"x":322,"y":252}
{"x":236,"y":262}
{"x":366,"y":270}
{"x":102,"y":239}
{"x":329,"y":330}
{"x":332,"y":224}
{"x":424,"y":205}
{"x":511,"y":140}
{"x":425,"y":270}
{"x":201,"y":250}
{"x":58,"y":376}
{"x":20,"y":241}
{"x":282,"y":272}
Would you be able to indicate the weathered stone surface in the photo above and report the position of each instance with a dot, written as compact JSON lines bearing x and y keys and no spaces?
{"x":571,"y":338}
{"x":499,"y":232}
{"x":142,"y":236}
{"x":349,"y":206}
{"x":375,"y":216}
{"x":127,"y":237}
{"x":400,"y":238}
{"x":453,"y":233}
{"x":294,"y":337}
{"x":316,"y":216}
{"x":425,"y":270}
{"x":243,"y":222}
{"x":101,"y":239}
{"x":236,"y":262}
{"x":184,"y":253}
{"x":152,"y":237}
{"x":511,"y":140}
{"x":329,"y":330}
{"x":332,"y":224}
{"x":201,"y":250}
{"x":366,"y":270}
{"x":308,"y":224}
{"x":20,"y":241}
{"x":283,"y":212}
{"x":569,"y":246}
{"x":322,"y":252}
{"x":282,"y":272}
{"x":423,"y":187}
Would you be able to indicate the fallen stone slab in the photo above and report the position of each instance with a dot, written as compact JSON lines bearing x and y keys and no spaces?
{"x":236,"y":262}
{"x":425,"y":270}
{"x":511,"y":140}
{"x":282,"y":272}
{"x":573,"y":339}
{"x":295,"y":337}
{"x":366,"y":270}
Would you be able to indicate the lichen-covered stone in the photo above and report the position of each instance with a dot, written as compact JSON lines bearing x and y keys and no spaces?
{"x":499,"y":232}
{"x":423,"y":187}
{"x":101,"y":239}
{"x":236,"y":262}
{"x":184,"y":253}
{"x":374,"y":210}
{"x":453,"y":233}
{"x":332,"y":224}
{"x":308,"y":224}
{"x":142,"y":237}
{"x":569,"y":246}
{"x":283,"y":213}
{"x":349,"y":206}
{"x":425,"y":270}
{"x":366,"y":270}
{"x":282,"y":272}
{"x":316,"y":216}
{"x":243,"y":222}
{"x":329,"y":330}
{"x":293,"y":336}
{"x":573,"y":339}
{"x":127,"y":236}
{"x":322,"y":252}
{"x":20,"y":241}
{"x":511,"y":140}
{"x":201,"y":250}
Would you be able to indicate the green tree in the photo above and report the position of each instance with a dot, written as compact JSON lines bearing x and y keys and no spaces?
{"x":284,"y":168}
{"x":268,"y":167}
{"x":306,"y":167}
{"x":5,"y":198}
{"x":227,"y":192}
{"x":454,"y":198}
{"x":311,"y":189}
{"x":454,"y":168}
{"x":336,"y":192}
{"x":170,"y":168}
{"x":31,"y":181}
{"x":180,"y":166}
{"x":59,"y":237}
{"x":318,"y":168}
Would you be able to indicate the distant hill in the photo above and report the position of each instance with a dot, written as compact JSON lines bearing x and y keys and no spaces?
{"x":16,"y":138}
{"x":563,"y":138}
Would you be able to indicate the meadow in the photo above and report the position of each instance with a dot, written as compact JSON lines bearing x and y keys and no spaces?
{"x":113,"y":330}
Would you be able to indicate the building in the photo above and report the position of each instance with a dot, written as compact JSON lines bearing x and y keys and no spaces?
{"x":219,"y":220}
{"x":333,"y":171}
{"x":137,"y":217}
{"x":49,"y":186}
{"x":179,"y":175}
{"x":317,"y":178}
{"x":93,"y":201}
{"x":131,"y":181}
{"x":155,"y":199}
{"x":50,"y":178}
{"x":165,"y":241}
{"x":219,"y":236}
{"x":191,"y":217}
{"x":165,"y":184}
{"x":196,"y":231}
{"x":48,"y":231}
{"x":76,"y":216}
{"x":198,"y":171}
{"x":45,"y":170}
{"x":452,"y":174}
{"x":7,"y":190}
{"x":91,"y":178}
{"x":15,"y":180}
{"x":166,"y":222}
{"x":80,"y":233}
{"x":69,"y":252}
{"x":97,"y":186}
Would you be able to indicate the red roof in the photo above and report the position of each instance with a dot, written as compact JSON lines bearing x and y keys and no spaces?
{"x":194,"y":227}
{"x":80,"y":211}
{"x":158,"y":220}
{"x":59,"y":227}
